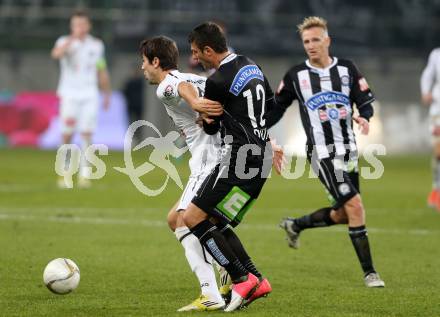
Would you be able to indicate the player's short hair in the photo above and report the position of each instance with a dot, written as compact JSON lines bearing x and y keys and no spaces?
{"x":209,"y":34}
{"x":312,"y":22}
{"x":162,"y":47}
{"x":80,"y":14}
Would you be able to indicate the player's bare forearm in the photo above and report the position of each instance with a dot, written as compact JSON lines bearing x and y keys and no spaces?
{"x":209,"y":107}
{"x":427,"y":99}
{"x":59,"y":51}
{"x":364,"y":125}
{"x":104,"y":85}
{"x":104,"y":81}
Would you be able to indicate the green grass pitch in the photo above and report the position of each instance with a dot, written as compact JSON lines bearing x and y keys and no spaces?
{"x":132,"y":265}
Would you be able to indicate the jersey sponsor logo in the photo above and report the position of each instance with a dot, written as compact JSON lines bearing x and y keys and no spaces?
{"x":333,"y":113}
{"x":168,"y":92}
{"x":305,"y":84}
{"x":243,"y":76}
{"x":363,"y":85}
{"x":344,"y":189}
{"x":343,"y":113}
{"x":323,"y":115}
{"x":345,"y":80}
{"x":327,"y":97}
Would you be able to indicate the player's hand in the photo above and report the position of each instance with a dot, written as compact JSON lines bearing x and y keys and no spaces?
{"x":203,"y":117}
{"x":208,"y":107}
{"x":278,"y":160}
{"x":106,"y":101}
{"x":364,"y":125}
{"x":427,"y":99}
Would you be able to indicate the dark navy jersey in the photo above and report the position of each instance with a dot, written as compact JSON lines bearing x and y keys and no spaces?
{"x":243,"y":90}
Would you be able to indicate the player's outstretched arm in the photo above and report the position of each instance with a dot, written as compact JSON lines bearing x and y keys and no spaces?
{"x":189,"y":93}
{"x":364,"y":125}
{"x":428,"y":77}
{"x":104,"y":84}
{"x":59,"y":50}
{"x":278,"y":160}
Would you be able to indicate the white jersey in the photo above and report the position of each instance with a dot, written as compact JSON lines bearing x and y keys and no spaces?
{"x":430,"y":80}
{"x":79,"y":67}
{"x":204,"y":148}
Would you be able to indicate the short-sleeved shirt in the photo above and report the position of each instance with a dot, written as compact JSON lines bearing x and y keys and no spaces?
{"x":204,"y":148}
{"x":326,"y":97}
{"x":79,"y":67}
{"x":243,"y":90}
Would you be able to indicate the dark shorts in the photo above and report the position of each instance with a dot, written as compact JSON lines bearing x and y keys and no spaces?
{"x":226,"y":197}
{"x":340,"y":179}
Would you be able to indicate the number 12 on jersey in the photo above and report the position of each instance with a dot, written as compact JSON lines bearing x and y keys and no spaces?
{"x":259,"y":127}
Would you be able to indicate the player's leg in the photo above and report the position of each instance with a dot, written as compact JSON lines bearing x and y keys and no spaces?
{"x":214,"y":241}
{"x":227,"y":199}
{"x":68,"y":120}
{"x":357,"y":230}
{"x":264,"y":287}
{"x":198,"y":259}
{"x":322,"y":217}
{"x":359,"y":237}
{"x":434,"y":196}
{"x":87,"y":123}
{"x":244,"y":283}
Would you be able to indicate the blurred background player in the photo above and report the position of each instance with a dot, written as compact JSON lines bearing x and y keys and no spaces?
{"x":430,"y":88}
{"x":83,"y":72}
{"x":326,"y":88}
{"x":160,"y":58}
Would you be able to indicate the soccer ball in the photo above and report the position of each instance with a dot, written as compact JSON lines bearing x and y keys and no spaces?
{"x":61,"y":276}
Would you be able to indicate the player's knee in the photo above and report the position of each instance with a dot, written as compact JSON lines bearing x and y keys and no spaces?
{"x":188,"y":218}
{"x":193,"y":216}
{"x":354,"y":207}
{"x":339,"y":216}
{"x":172,"y":219}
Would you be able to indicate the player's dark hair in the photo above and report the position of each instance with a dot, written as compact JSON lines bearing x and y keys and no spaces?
{"x":209,"y":34}
{"x":80,"y":14}
{"x":162,"y":47}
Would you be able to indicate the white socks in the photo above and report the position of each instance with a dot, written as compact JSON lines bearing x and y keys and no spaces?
{"x":200,"y":262}
{"x":84,"y":169}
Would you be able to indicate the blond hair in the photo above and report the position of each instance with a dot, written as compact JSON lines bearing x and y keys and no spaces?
{"x":311,"y":22}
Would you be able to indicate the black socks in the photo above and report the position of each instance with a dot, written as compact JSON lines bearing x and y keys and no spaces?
{"x":217,"y":245}
{"x":359,"y":238}
{"x":235,"y":243}
{"x":319,"y":218}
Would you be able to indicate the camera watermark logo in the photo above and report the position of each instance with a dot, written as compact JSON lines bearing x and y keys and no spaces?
{"x":163,"y":148}
{"x":70,"y":160}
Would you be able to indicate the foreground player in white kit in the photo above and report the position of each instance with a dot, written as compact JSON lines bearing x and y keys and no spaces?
{"x":160,"y":56}
{"x":83,"y":71}
{"x":430,"y":87}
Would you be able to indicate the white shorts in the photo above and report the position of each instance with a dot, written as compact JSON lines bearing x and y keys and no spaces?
{"x":190,"y":191}
{"x":78,"y":114}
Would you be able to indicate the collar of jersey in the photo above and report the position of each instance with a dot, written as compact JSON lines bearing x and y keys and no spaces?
{"x":174,"y":72}
{"x":228,"y":58}
{"x":334,"y":62}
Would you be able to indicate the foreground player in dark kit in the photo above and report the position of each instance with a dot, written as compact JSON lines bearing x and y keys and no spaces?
{"x":326,"y":88}
{"x":235,"y":183}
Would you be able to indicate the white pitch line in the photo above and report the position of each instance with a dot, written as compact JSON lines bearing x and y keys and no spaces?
{"x":157,"y":223}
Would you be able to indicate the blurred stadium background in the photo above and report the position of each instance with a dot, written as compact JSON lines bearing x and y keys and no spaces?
{"x":389,"y":40}
{"x":130,"y":263}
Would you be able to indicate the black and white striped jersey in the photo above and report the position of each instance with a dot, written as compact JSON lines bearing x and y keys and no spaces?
{"x":326,"y":98}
